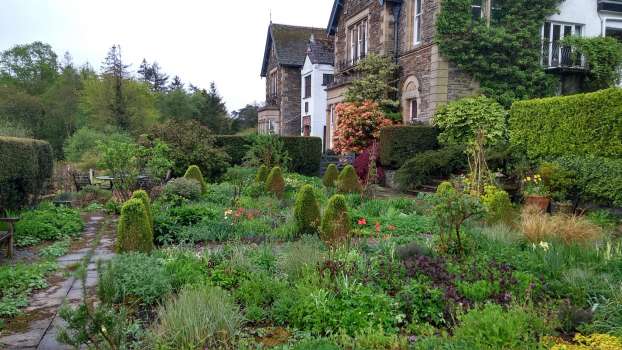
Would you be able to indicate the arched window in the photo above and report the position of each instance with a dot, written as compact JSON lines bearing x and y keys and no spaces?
{"x":411,"y":100}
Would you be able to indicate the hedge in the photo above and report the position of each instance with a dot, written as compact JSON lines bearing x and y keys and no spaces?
{"x":402,"y":142}
{"x":583,"y":124}
{"x":305,"y":152}
{"x":26,"y":165}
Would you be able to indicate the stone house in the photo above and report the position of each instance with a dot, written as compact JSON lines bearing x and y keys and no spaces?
{"x":405,"y":31}
{"x":284,"y":57}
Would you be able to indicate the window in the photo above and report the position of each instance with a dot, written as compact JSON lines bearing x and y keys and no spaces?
{"x":414,"y":110}
{"x":477,"y":10}
{"x":307,"y":86}
{"x":306,"y":107}
{"x":418,"y":10}
{"x":358,"y":41}
{"x":554,"y":54}
{"x":327,"y":79}
{"x":273,"y":83}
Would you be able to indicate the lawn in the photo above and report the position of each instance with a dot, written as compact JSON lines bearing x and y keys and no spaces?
{"x":235,"y":267}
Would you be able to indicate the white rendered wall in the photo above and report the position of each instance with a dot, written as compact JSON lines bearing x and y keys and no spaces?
{"x":317,"y":101}
{"x":586,"y":12}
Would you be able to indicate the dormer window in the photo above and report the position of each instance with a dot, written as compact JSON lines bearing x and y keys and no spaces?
{"x":358,"y":41}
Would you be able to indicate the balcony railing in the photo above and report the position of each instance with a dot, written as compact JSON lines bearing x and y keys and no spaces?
{"x":559,"y":55}
{"x":349,"y":63}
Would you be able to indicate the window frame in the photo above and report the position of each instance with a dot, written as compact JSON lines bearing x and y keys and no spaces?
{"x":325,"y":81}
{"x":274,"y":87}
{"x":359,"y":39}
{"x":308,"y":86}
{"x":417,"y":21}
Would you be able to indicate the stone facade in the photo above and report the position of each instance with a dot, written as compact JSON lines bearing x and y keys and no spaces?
{"x":424,"y":74}
{"x":290,"y":101}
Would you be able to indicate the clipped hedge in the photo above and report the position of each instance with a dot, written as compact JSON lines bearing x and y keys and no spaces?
{"x":583,"y":124}
{"x":305,"y":152}
{"x":401,"y":142}
{"x":26,"y":165}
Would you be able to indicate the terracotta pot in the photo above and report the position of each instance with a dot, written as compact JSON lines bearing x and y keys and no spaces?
{"x":540,"y":202}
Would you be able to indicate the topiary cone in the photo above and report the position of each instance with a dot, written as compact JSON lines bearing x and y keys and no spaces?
{"x":133,"y":231}
{"x":194,"y":173}
{"x":275,"y":183}
{"x":348,"y":181}
{"x":336,"y":221}
{"x":144,"y":197}
{"x":330,"y":176}
{"x":307,"y":211}
{"x":262,"y":174}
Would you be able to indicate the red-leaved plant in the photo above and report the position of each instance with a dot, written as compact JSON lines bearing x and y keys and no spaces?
{"x":358,"y":125}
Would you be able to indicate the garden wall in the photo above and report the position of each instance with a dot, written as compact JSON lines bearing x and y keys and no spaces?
{"x":583,"y":124}
{"x":26,"y":166}
{"x":305,"y":152}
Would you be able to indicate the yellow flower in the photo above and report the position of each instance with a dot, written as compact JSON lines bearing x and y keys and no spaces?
{"x":528,"y":178}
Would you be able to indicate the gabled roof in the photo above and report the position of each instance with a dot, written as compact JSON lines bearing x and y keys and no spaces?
{"x":290,"y":44}
{"x":336,"y":13}
{"x":321,"y":50}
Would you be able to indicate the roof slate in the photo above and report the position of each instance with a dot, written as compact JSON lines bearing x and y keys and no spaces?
{"x":290,"y":43}
{"x":321,"y":51}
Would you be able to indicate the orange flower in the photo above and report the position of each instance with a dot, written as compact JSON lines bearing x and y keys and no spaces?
{"x":362,"y":221}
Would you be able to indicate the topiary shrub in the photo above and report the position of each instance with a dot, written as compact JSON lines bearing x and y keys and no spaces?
{"x":275,"y":183}
{"x":399,"y":143}
{"x":348,"y":181}
{"x":330,"y":176}
{"x":144,"y":197}
{"x":133,"y":231}
{"x":194,"y":173}
{"x":497,"y":205}
{"x":307,"y":211}
{"x":336,"y":221}
{"x":262,"y":174}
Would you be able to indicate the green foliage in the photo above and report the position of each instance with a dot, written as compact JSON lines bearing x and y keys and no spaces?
{"x":204,"y":317}
{"x":192,"y":144}
{"x":13,"y":129}
{"x":236,"y":146}
{"x":47,"y":223}
{"x":186,"y":189}
{"x":402,"y":142}
{"x":17,"y":282}
{"x":133,"y":278}
{"x":336,"y":221}
{"x":305,"y":154}
{"x":329,"y":180}
{"x":194,"y":173}
{"x":577,"y":125}
{"x":422,"y":303}
{"x":481,"y":50}
{"x":56,"y":250}
{"x":262,"y":174}
{"x":604,"y":58}
{"x":257,"y":295}
{"x":122,"y":161}
{"x":275,"y":183}
{"x":598,"y":179}
{"x":144,"y":197}
{"x":307,"y":211}
{"x":268,"y":150}
{"x":493,"y":328}
{"x":83,"y":143}
{"x":134,"y":232}
{"x":459,"y":121}
{"x":452,"y":208}
{"x":497,"y":205}
{"x":26,"y":166}
{"x":425,"y":166}
{"x":608,"y":316}
{"x":376,"y":84}
{"x":348,"y":181}
{"x":32,"y":67}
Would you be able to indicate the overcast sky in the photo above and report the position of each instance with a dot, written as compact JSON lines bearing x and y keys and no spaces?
{"x":199,"y":40}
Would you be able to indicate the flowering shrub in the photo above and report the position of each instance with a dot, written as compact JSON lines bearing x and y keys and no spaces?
{"x":358,"y":125}
{"x":533,"y":186}
{"x":594,"y":341}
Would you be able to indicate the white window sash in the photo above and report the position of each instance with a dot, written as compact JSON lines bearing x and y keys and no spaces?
{"x":418,"y":10}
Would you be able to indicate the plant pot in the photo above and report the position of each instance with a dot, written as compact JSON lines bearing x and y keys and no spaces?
{"x":540,"y":202}
{"x":562,"y":208}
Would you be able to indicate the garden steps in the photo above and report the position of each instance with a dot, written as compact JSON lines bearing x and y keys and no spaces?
{"x":338,"y":160}
{"x":40,"y":321}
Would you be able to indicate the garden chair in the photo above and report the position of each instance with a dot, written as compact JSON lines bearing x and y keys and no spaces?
{"x":81,"y":180}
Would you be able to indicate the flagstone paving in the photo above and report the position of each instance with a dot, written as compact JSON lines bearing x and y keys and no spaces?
{"x":40,"y":323}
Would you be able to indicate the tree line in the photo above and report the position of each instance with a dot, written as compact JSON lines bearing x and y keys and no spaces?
{"x":48,"y":98}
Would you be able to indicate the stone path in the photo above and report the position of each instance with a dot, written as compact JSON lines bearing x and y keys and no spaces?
{"x":41,"y":320}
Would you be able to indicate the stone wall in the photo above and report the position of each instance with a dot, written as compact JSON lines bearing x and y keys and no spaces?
{"x":290,"y":101}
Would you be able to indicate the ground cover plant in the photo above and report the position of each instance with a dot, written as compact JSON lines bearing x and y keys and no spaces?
{"x":242,"y":266}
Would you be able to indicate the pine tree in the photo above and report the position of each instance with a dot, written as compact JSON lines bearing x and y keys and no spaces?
{"x":158,"y":78}
{"x":176,"y":84}
{"x":114,"y":69}
{"x":212,"y":110}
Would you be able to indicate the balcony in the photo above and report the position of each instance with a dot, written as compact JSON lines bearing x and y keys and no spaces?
{"x":345,"y":72}
{"x":557,"y":56}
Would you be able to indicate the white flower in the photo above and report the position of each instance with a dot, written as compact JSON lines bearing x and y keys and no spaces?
{"x":545,"y":246}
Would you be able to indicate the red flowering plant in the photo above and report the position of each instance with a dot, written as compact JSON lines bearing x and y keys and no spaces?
{"x":358,"y":125}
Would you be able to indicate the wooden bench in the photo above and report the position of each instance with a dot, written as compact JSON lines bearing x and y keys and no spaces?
{"x":7,"y":236}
